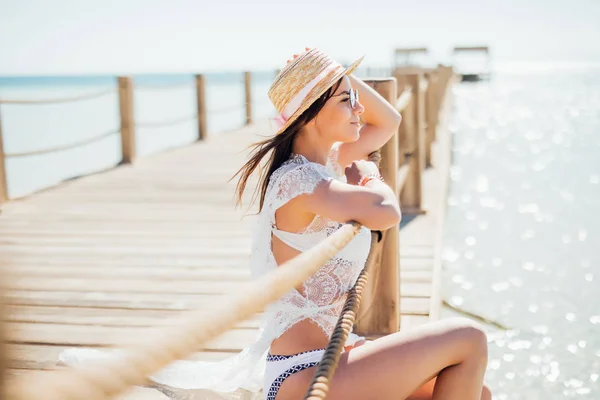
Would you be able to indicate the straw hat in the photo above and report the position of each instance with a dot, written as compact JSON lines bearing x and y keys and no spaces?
{"x":302,"y":82}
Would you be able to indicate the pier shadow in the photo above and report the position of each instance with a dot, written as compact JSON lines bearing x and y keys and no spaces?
{"x":407,"y":219}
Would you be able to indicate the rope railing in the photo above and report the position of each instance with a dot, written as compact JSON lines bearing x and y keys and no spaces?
{"x":69,"y":146}
{"x":166,"y":86}
{"x":225,"y":110}
{"x":170,"y":122}
{"x":319,"y":386}
{"x":88,"y":96}
{"x":125,"y":92}
{"x":152,"y":352}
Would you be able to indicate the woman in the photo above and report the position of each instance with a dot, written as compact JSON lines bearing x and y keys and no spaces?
{"x":305,"y":195}
{"x":320,"y":128}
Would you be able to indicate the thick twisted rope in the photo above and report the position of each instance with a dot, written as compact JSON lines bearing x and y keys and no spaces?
{"x":63,"y":147}
{"x":319,"y":386}
{"x":170,"y":122}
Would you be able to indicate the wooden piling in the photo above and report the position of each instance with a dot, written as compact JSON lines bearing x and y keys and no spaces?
{"x":431,"y":114}
{"x":248,"y":92}
{"x":3,"y":339}
{"x":407,"y":137}
{"x":127,"y":119}
{"x":3,"y":182}
{"x":201,"y":106}
{"x":380,"y":306}
{"x":411,"y":195}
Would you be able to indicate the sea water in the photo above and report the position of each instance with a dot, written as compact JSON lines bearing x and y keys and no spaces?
{"x":165,"y":108}
{"x":522,"y":233}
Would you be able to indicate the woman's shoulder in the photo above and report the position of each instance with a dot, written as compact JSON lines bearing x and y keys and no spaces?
{"x":298,"y":167}
{"x":296,"y":176}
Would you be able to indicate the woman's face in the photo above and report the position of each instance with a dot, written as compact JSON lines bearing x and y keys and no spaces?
{"x":337,"y":119}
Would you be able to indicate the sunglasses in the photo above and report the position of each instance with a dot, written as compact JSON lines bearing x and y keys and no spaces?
{"x":353,"y":97}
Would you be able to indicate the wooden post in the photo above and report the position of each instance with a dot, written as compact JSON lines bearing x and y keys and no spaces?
{"x":201,"y":105}
{"x":411,"y":196}
{"x":248,"y":91}
{"x":445,"y":74}
{"x":3,"y":339}
{"x":402,"y":73}
{"x":3,"y":181}
{"x":431,"y":114}
{"x":407,"y":143}
{"x":379,"y":312}
{"x":127,"y":119}
{"x":400,"y":76}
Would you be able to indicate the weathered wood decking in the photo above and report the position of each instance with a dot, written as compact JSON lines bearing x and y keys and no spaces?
{"x":99,"y":260}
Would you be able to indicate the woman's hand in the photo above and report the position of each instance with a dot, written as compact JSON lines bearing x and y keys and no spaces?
{"x":359,"y":168}
{"x":357,"y":344}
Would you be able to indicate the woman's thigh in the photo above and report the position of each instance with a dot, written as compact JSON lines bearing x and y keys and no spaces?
{"x":394,"y":366}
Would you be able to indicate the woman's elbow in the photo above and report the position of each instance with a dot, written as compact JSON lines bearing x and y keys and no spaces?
{"x":385,"y":217}
{"x":393,"y":215}
{"x":397,"y":120}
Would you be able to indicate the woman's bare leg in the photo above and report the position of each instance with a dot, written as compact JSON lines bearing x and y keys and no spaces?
{"x":395,"y":366}
{"x":425,"y":392}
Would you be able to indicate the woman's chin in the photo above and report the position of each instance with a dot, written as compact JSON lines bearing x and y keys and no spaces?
{"x":355,"y":135}
{"x":352,"y":136}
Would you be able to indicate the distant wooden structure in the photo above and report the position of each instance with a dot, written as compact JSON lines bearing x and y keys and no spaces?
{"x":99,"y":260}
{"x":470,"y":73}
{"x":404,"y":56}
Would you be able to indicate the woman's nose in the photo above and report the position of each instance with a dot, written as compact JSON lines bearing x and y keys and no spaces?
{"x":358,"y":108}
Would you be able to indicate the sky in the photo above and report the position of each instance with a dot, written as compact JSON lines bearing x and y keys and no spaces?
{"x":43,"y":37}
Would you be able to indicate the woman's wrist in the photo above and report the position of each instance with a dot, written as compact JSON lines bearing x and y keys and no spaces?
{"x":370,"y":177}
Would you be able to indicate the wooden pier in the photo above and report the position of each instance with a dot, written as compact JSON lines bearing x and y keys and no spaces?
{"x":100,"y":260}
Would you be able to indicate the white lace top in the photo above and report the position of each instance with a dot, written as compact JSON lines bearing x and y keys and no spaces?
{"x":321,"y":300}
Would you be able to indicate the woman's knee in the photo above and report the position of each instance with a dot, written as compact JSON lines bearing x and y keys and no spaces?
{"x":486,"y":393}
{"x":472,"y":336}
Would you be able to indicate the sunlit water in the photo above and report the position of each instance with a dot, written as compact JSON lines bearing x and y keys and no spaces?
{"x":522,"y":239}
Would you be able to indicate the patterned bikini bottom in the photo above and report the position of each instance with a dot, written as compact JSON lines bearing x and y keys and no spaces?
{"x":281,"y":367}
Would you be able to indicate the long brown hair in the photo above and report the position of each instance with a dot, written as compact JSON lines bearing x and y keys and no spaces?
{"x":281,"y":145}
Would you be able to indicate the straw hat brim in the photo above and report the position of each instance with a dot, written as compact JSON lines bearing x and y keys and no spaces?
{"x":306,"y":104}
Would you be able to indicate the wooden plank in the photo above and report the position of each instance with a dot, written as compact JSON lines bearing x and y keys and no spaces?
{"x":176,"y":287}
{"x":150,"y":301}
{"x":164,"y":273}
{"x":102,"y":316}
{"x":93,"y":233}
{"x":97,"y":335}
{"x":18,"y":377}
{"x":147,"y":301}
{"x":217,"y":262}
{"x":44,"y":357}
{"x":81,"y":261}
{"x":200,"y":250}
{"x":170,"y":273}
